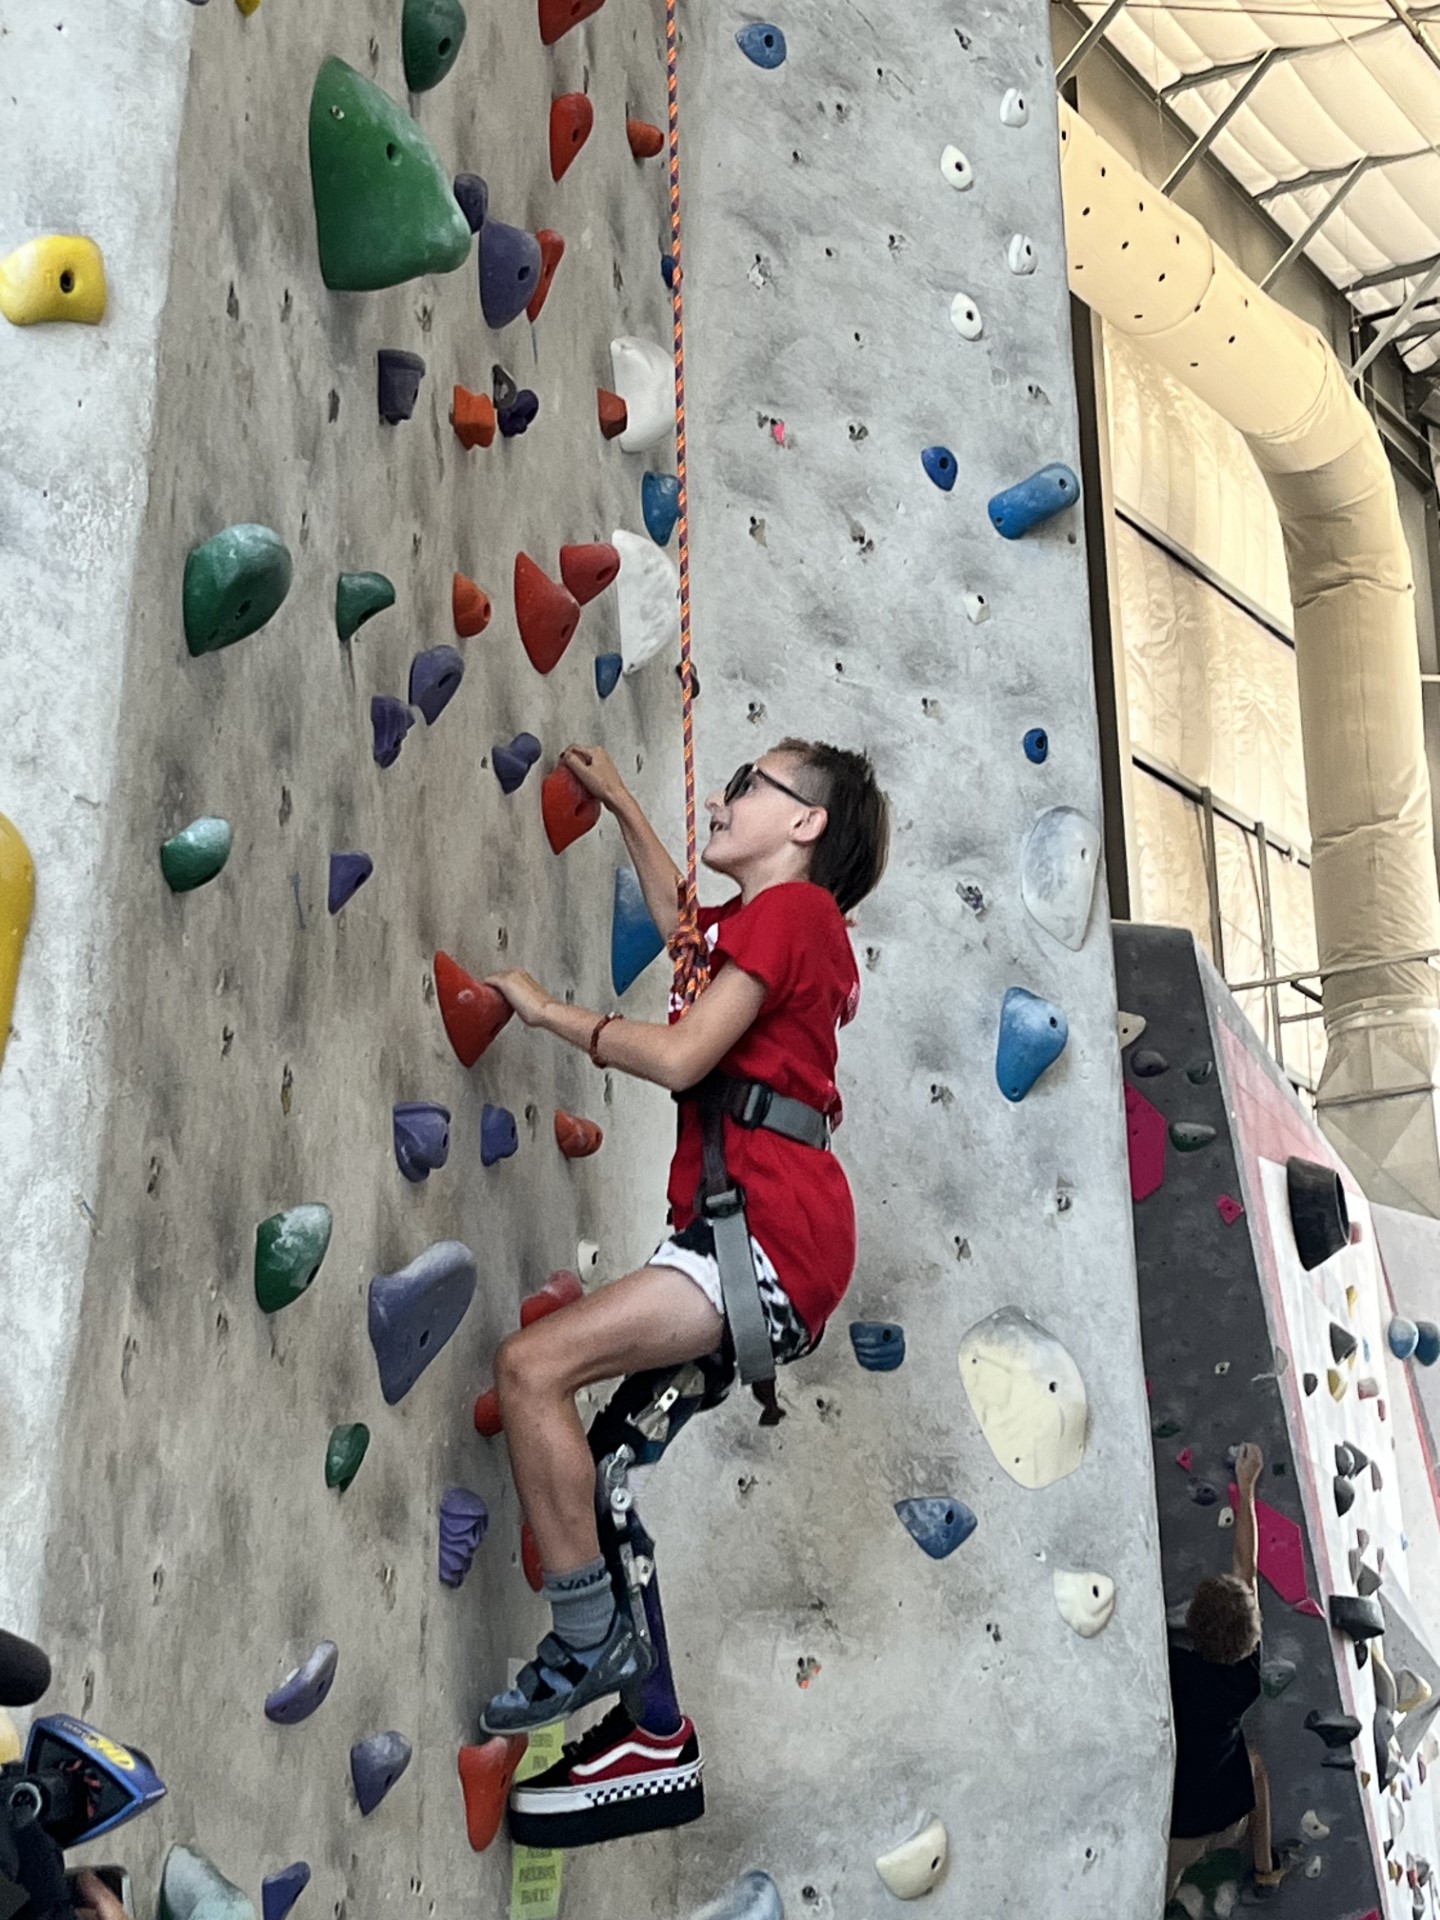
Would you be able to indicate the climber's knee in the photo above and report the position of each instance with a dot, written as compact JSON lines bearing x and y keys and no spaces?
{"x":524,"y":1367}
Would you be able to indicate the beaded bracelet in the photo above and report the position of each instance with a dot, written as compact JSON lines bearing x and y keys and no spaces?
{"x":595,"y":1033}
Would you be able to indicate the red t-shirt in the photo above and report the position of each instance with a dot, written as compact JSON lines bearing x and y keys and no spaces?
{"x":794,"y":939}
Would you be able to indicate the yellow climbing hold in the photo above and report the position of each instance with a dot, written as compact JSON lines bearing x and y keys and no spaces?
{"x":247,"y":6}
{"x":10,"y":1748}
{"x":1335,"y":1384}
{"x":58,"y":277}
{"x":17,"y":898}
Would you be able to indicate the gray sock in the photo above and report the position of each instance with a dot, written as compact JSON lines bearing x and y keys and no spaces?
{"x":582,"y":1603}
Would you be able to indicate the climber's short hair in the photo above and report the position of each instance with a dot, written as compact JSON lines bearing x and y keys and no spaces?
{"x":1224,"y":1619}
{"x":849,"y":857}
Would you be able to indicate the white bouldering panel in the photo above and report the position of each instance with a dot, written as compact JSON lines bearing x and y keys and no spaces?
{"x":914,"y":1867}
{"x":1086,"y":1601}
{"x":1027,"y":1394}
{"x":649,"y":589}
{"x":1058,"y":866}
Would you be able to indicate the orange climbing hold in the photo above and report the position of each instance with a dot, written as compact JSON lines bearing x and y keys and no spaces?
{"x":645,"y":141}
{"x":546,"y":613}
{"x":486,"y":1776}
{"x":530,"y":1558}
{"x":588,"y":570}
{"x":577,"y":1139}
{"x":487,"y":1414}
{"x":470,"y":605}
{"x":557,"y":17}
{"x":568,"y":809}
{"x":614,"y":414}
{"x":560,"y":1290}
{"x":472,"y":415}
{"x":473,"y":1013}
{"x":552,"y":252}
{"x":571,"y":118}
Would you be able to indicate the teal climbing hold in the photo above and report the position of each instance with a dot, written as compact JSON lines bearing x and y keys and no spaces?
{"x":358,"y":598}
{"x":1403,"y":1335}
{"x":196,"y":854}
{"x":346,"y":1449}
{"x":1032,"y":1037}
{"x":193,"y":1888}
{"x":234,"y":582}
{"x":635,"y":939}
{"x":431,"y":32}
{"x":1188,"y":1136}
{"x":289,"y":1248}
{"x":384,"y":207}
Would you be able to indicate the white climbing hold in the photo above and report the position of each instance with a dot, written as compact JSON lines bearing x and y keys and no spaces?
{"x":1058,"y":867}
{"x":1027,"y":1394}
{"x":754,"y":1896}
{"x":1314,"y":1865}
{"x":1019,"y":257}
{"x":914,"y":1867}
{"x":1192,"y":1899}
{"x":1129,"y":1026}
{"x":587,"y":1257}
{"x":956,"y":171}
{"x":1411,"y":1690}
{"x":649,"y":606}
{"x":1395,"y":1813}
{"x":965,"y":317}
{"x":1086,"y":1601}
{"x":642,"y":372}
{"x":1226,"y":1517}
{"x":977,"y":608}
{"x":1312,"y":1826}
{"x":1014,"y":109}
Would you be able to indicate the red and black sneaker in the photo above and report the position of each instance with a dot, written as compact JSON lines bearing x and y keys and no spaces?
{"x":614,"y":1780}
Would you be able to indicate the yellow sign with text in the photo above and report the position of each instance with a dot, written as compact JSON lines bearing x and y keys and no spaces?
{"x":536,"y":1876}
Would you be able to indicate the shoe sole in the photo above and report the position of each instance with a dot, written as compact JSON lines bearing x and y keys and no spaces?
{"x":649,"y":1809}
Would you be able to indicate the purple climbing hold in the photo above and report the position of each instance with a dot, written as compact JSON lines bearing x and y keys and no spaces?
{"x":512,"y":763}
{"x":464,"y":1518}
{"x":499,"y":1136}
{"x":435,"y":677}
{"x":301,"y":1692}
{"x":509,"y":271}
{"x":399,"y":377}
{"x":391,"y":720}
{"x":279,"y":1891}
{"x":422,"y":1138}
{"x":375,"y":1765}
{"x":520,"y":413}
{"x":414,"y":1312}
{"x":608,"y":668}
{"x":474,"y":198}
{"x":348,"y":873}
{"x":1202,"y":1493}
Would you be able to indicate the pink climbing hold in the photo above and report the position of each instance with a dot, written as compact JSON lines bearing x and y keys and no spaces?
{"x":777,"y":427}
{"x":1148,"y":1136}
{"x":1310,"y":1608}
{"x":1185,"y":1459}
{"x":1230,"y":1209}
{"x":1279,"y":1551}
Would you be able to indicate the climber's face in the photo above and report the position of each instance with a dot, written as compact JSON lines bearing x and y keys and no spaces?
{"x":762,"y":810}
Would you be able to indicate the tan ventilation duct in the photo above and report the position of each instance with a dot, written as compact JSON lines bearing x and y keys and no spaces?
{"x":1154,"y":273}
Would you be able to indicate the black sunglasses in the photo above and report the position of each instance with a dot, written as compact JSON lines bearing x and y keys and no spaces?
{"x":742,"y":781}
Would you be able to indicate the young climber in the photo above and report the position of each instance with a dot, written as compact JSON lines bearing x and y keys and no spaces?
{"x":804,"y":834}
{"x":1222,"y":1792}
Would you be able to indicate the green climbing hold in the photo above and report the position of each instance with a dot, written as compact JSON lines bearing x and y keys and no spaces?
{"x":289,"y":1247}
{"x":430,"y":35}
{"x":384,"y":209}
{"x":1201,"y":1073}
{"x":1275,"y":1677}
{"x":1188,"y":1136}
{"x":196,"y":854}
{"x":193,"y":1888}
{"x":358,"y":598}
{"x":345,"y":1453}
{"x":234,"y":582}
{"x":1164,"y":1429}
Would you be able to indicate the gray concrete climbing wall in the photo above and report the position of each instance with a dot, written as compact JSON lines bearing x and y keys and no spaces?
{"x":245,"y":1048}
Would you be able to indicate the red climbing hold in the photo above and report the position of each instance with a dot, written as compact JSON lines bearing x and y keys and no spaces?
{"x":571,"y":118}
{"x":546,"y":613}
{"x":470,"y":605}
{"x":1145,"y":1126}
{"x":645,"y":141}
{"x":473,"y":1013}
{"x":1279,"y":1551}
{"x":588,"y":570}
{"x":614,"y":414}
{"x":1310,"y":1608}
{"x":487,"y":1414}
{"x":552,"y":252}
{"x":577,"y":1139}
{"x":560,"y":1290}
{"x":568,"y":809}
{"x":1185,"y":1459}
{"x":486,"y":1775}
{"x":472,"y":415}
{"x":530,"y":1558}
{"x":1230,"y":1210}
{"x":557,"y":17}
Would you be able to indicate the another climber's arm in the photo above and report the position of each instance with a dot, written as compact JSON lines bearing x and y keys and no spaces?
{"x":660,"y":879}
{"x":1248,"y":1463}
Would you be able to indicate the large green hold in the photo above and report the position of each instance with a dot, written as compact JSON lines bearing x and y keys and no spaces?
{"x":347,"y":1448}
{"x":358,"y":598}
{"x":234,"y":582}
{"x":196,"y":854}
{"x":430,"y":35}
{"x":289,"y":1247}
{"x":384,"y":210}
{"x":192,"y":1888}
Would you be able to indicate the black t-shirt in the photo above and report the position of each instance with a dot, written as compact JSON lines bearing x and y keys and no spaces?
{"x":1213,"y":1784}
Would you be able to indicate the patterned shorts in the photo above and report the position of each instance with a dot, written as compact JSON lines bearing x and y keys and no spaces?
{"x":692,"y":1252}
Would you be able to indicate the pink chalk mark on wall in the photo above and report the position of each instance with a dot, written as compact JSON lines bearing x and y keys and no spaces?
{"x":1279,"y":1552}
{"x":1147,"y":1135}
{"x":1230,"y":1209}
{"x":1185,"y":1459}
{"x":777,"y":427}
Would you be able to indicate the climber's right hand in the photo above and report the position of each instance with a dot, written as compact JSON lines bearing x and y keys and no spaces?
{"x":597,"y":773}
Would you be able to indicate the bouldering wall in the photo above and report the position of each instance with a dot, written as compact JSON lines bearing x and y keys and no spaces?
{"x":882,"y":448}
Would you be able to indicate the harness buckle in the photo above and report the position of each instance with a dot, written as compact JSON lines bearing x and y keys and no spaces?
{"x":723,"y":1205}
{"x":754,"y":1106}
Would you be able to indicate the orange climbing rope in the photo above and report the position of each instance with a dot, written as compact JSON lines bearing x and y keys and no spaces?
{"x":687,"y":946}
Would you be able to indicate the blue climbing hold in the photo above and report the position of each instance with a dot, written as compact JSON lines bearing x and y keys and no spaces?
{"x":667,"y":270}
{"x":1019,"y":508}
{"x":474,"y":198}
{"x":348,"y":873}
{"x":1037,"y":746}
{"x":435,"y":677}
{"x":422,"y":1138}
{"x":517,"y":414}
{"x":1032,"y":1037}
{"x":634,"y":937}
{"x":375,"y":1765}
{"x":1427,"y":1342}
{"x":499,"y":1136}
{"x":879,"y":1344}
{"x":391,"y":720}
{"x":939,"y":463}
{"x":301,"y":1692}
{"x":414,"y":1312}
{"x":936,"y":1524}
{"x":608,"y":668}
{"x":660,"y":505}
{"x":1404,"y":1337}
{"x":509,"y":272}
{"x":762,"y":43}
{"x":279,"y":1891}
{"x":512,"y":763}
